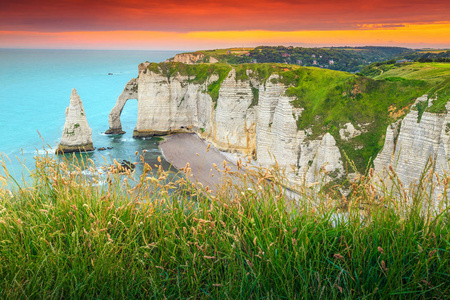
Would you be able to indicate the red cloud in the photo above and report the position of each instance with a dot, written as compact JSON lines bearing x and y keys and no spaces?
{"x":211,"y":15}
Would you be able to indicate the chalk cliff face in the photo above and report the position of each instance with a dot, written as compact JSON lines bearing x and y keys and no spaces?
{"x":187,"y":58}
{"x":253,"y":115}
{"x":192,"y":58}
{"x":77,"y":135}
{"x":414,"y":146}
{"x":279,"y":139}
{"x":249,"y":116}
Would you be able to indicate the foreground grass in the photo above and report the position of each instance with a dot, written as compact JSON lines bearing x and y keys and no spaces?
{"x":152,"y":237}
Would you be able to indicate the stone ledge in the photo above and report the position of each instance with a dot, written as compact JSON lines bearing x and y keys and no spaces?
{"x":114,"y":131}
{"x":151,"y":132}
{"x":62,"y":149}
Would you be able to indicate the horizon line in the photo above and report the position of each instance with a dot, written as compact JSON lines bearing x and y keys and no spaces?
{"x":186,"y":50}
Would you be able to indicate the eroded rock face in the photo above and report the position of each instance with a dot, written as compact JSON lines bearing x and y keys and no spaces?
{"x":235,"y":117}
{"x":213,"y":60}
{"x":77,"y":135}
{"x":385,"y":157}
{"x":188,"y":58}
{"x":348,"y":131}
{"x":129,"y":92}
{"x":262,"y":125}
{"x":414,"y":147}
{"x":172,"y":104}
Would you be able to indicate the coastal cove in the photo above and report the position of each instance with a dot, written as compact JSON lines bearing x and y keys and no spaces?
{"x":296,"y":116}
{"x":317,"y":125}
{"x":35,"y":91}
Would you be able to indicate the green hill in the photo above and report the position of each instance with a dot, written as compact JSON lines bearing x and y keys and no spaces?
{"x":436,"y":75}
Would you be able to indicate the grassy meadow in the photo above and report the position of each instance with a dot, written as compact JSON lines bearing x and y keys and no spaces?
{"x":118,"y":235}
{"x":437,"y":75}
{"x":432,"y":72}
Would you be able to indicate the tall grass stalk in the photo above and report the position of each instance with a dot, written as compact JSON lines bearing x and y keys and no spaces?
{"x":68,"y":235}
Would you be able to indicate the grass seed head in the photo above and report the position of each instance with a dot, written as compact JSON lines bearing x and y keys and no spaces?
{"x":338,"y":256}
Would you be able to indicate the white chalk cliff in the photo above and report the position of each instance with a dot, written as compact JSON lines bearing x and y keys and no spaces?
{"x":258,"y":119}
{"x":186,"y":58}
{"x":192,"y":58}
{"x":77,"y":135}
{"x":262,"y":124}
{"x":414,"y":146}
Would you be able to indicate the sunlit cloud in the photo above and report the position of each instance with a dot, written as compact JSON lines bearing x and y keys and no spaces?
{"x":407,"y":35}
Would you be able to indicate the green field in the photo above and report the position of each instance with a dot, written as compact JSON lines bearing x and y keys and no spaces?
{"x":431,"y":72}
{"x":219,"y":52}
{"x":437,"y":75}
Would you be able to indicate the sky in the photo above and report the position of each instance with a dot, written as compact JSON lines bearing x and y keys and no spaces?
{"x":192,"y":25}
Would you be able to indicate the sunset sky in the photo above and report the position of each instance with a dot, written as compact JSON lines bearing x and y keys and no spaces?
{"x":190,"y":25}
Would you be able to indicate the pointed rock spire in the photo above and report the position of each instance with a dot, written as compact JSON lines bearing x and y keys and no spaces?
{"x":77,"y":135}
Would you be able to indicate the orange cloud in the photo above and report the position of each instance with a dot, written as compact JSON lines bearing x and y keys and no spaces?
{"x":408,"y":35}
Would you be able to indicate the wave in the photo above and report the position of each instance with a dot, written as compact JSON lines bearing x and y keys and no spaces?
{"x":128,"y":140}
{"x":38,"y":151}
{"x":98,"y":171}
{"x":156,"y":150}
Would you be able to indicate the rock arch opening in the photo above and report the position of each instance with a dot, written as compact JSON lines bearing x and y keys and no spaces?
{"x":129,"y":92}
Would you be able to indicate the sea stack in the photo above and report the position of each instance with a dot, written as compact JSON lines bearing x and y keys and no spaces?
{"x":77,"y":135}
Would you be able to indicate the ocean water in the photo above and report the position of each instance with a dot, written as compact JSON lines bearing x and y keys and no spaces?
{"x":35,"y":88}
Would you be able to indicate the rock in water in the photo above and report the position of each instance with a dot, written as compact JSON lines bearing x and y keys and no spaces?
{"x":77,"y":135}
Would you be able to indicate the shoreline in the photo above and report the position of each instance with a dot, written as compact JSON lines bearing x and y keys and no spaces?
{"x":182,"y":148}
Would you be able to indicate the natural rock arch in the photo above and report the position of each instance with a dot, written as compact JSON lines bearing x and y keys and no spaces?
{"x":129,"y":92}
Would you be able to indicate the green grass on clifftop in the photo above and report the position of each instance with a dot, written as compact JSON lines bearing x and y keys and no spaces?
{"x":197,"y":73}
{"x":436,"y":74}
{"x":430,"y":72}
{"x":331,"y":99}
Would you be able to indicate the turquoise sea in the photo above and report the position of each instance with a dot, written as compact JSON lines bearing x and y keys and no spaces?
{"x":35,"y":88}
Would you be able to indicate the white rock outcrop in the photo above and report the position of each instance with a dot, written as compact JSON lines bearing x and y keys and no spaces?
{"x":250,"y":117}
{"x":415,"y":146}
{"x":129,"y":92}
{"x":348,"y":131}
{"x":77,"y":135}
{"x":187,"y":58}
{"x":213,"y":60}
